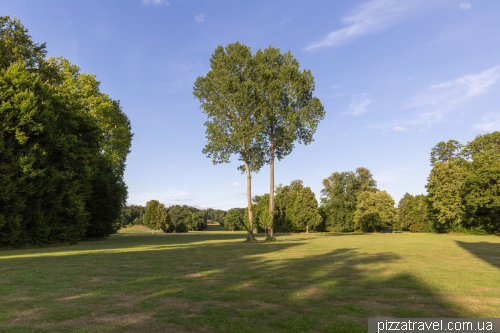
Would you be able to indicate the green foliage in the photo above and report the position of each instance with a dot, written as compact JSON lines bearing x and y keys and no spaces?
{"x":16,"y":46}
{"x":181,"y":227}
{"x":285,"y":197}
{"x":464,"y":191}
{"x":48,"y":148}
{"x":370,"y":222}
{"x":159,"y":218}
{"x":193,"y":218}
{"x":446,"y":190}
{"x":60,"y":179}
{"x":234,"y":219}
{"x":302,"y":210}
{"x":445,"y":151}
{"x":380,"y":203}
{"x":412,"y":213}
{"x":150,"y":210}
{"x":133,"y":214}
{"x":113,"y":123}
{"x":106,"y":200}
{"x":228,"y":97}
{"x":340,"y":197}
{"x":262,"y":217}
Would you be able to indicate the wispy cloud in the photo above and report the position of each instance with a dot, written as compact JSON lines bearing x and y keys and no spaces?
{"x":200,"y":18}
{"x":234,"y":184}
{"x":370,"y":17}
{"x":359,"y":104}
{"x":446,"y":96}
{"x":465,"y":6}
{"x":399,"y":129}
{"x":155,"y":2}
{"x":472,"y":85}
{"x":489,"y":122}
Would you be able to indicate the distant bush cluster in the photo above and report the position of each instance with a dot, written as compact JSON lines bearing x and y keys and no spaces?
{"x":63,"y":147}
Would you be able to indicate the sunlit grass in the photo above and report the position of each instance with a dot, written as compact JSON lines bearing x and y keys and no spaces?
{"x":214,"y":281}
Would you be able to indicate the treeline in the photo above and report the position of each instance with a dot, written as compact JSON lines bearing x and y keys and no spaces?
{"x":463,"y":195}
{"x":171,"y":219}
{"x":63,"y":147}
{"x":464,"y":186}
{"x":296,"y":210}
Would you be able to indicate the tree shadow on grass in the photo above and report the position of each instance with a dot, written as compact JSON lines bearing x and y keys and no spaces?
{"x":225,"y":286}
{"x":486,"y":251}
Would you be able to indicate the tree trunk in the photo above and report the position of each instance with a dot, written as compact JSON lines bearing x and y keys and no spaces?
{"x":307,"y":228}
{"x":271,"y":192}
{"x":249,"y":199}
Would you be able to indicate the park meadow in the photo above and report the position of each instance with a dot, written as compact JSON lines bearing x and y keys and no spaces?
{"x":213,"y":281}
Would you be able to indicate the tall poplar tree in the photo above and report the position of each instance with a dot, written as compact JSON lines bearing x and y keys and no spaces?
{"x":228,"y":97}
{"x":287,"y":111}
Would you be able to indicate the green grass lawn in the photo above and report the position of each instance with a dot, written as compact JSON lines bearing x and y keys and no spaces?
{"x":212,"y":281}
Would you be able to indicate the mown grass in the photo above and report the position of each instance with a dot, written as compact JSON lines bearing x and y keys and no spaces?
{"x":213,"y":281}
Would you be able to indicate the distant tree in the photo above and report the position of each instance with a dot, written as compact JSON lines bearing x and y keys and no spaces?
{"x":284,"y":199}
{"x":287,"y":111}
{"x":340,"y":197}
{"x":159,"y":219}
{"x":402,"y":221}
{"x":380,"y":203}
{"x":463,"y":190}
{"x":303,"y":210}
{"x":262,"y":216}
{"x":234,"y":220}
{"x":181,"y":228}
{"x":228,"y":96}
{"x":414,"y":211}
{"x":445,"y":151}
{"x":446,"y":190}
{"x":150,"y":211}
{"x":371,"y":222}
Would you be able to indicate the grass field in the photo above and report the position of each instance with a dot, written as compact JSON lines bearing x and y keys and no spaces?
{"x":212,"y":281}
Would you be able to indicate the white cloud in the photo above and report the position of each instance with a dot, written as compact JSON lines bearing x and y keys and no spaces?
{"x":359,"y":104}
{"x":446,"y":96}
{"x":472,"y":85}
{"x":399,"y":128}
{"x":155,"y":2}
{"x":372,"y":16}
{"x":234,"y":184}
{"x":465,"y":6}
{"x":200,"y":18}
{"x":489,"y":123}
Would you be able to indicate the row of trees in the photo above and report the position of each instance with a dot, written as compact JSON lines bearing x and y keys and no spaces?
{"x":464,"y":186}
{"x":258,"y":106}
{"x":63,"y":147}
{"x":463,"y":194}
{"x":174,"y":218}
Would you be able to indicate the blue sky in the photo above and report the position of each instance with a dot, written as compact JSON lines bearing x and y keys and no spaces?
{"x":395,"y":78}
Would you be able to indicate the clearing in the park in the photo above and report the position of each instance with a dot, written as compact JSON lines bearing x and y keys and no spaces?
{"x":214,"y":282}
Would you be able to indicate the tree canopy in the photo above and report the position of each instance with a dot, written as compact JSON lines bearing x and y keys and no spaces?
{"x":287,"y":110}
{"x":228,"y":97}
